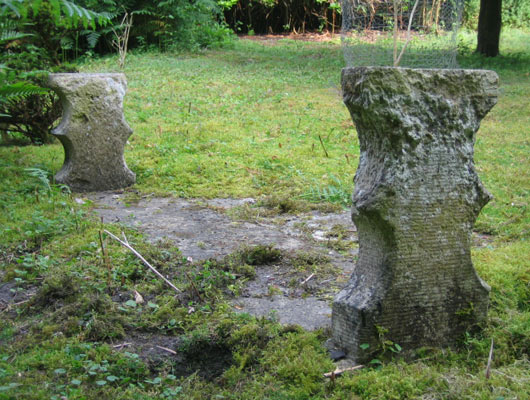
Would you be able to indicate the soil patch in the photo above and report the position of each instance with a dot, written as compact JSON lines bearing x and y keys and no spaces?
{"x":12,"y":294}
{"x":272,"y":39}
{"x":319,"y":249}
{"x":157,"y":350}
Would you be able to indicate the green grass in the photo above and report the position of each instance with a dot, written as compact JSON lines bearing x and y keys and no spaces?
{"x":243,"y":121}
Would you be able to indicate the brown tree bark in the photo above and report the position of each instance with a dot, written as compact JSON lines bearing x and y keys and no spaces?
{"x":489,"y":27}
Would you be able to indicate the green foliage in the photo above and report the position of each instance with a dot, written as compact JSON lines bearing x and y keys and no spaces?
{"x":273,"y":16}
{"x":33,"y":34}
{"x":335,"y":192}
{"x":58,"y":336}
{"x":515,"y":14}
{"x":19,"y":90}
{"x":167,"y":24}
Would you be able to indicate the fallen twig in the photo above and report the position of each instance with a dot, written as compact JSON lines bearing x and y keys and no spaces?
{"x":121,"y":345}
{"x":322,"y":143}
{"x":490,"y":358}
{"x":9,"y":306}
{"x":339,"y":372}
{"x":127,"y":245}
{"x":193,"y":286}
{"x":307,"y":279}
{"x":105,"y":255}
{"x":166,"y":349}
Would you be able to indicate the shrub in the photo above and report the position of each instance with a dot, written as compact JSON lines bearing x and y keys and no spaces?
{"x":32,"y":35}
{"x":515,"y":13}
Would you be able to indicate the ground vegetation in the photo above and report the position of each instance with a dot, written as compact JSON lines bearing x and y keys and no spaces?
{"x":81,"y":316}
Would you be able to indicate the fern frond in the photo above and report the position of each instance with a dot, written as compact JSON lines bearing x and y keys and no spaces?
{"x":10,"y":35}
{"x":15,"y":6}
{"x":19,"y":90}
{"x":92,"y":38}
{"x":143,"y":12}
{"x":41,"y":176}
{"x":87,"y":17}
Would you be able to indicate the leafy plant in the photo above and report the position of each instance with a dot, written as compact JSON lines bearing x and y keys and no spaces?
{"x":335,"y":192}
{"x":32,"y":34}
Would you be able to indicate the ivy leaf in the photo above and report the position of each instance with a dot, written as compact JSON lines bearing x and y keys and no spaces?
{"x":130,"y":303}
{"x":152,"y":305}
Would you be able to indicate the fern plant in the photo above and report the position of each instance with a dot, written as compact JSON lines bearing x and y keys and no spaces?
{"x":30,"y":37}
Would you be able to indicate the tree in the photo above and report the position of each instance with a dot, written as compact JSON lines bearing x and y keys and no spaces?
{"x":489,"y":27}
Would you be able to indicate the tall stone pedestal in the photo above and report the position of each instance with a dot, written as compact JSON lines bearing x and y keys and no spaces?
{"x":93,"y":131}
{"x":416,"y":198}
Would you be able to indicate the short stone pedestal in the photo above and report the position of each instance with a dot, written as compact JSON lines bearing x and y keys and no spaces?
{"x":416,"y":198}
{"x":93,"y":131}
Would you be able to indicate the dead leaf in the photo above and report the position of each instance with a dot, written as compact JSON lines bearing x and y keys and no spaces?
{"x":138,"y":298}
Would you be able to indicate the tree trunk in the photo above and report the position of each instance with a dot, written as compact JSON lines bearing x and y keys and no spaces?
{"x":489,"y":27}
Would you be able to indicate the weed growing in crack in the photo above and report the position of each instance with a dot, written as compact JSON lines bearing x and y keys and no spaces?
{"x":335,"y":192}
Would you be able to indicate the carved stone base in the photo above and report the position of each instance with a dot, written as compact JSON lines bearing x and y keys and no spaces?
{"x":416,"y":198}
{"x":93,"y":131}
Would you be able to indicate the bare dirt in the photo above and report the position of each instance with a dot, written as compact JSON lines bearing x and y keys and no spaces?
{"x":319,"y":249}
{"x":272,"y":39}
{"x":157,"y":350}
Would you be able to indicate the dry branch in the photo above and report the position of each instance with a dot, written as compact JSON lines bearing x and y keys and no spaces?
{"x":339,"y":372}
{"x":121,"y":345}
{"x":166,"y":349}
{"x":193,"y":286}
{"x":307,"y":279}
{"x":121,"y":39}
{"x":411,"y":17}
{"x":127,"y":245}
{"x":105,"y":255}
{"x":323,"y":147}
{"x":490,"y":358}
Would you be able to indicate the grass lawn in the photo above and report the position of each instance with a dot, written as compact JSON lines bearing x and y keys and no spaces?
{"x":251,"y":120}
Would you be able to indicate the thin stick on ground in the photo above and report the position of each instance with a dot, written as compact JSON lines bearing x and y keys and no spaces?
{"x":322,"y":143}
{"x":9,"y":306}
{"x":166,"y":349}
{"x":127,"y":245}
{"x":105,"y":255}
{"x":490,"y":358}
{"x":121,"y":345}
{"x":307,"y":279}
{"x":193,"y":286}
{"x":339,"y":372}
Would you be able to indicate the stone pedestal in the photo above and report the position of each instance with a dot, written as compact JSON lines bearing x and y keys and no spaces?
{"x":93,"y":131}
{"x":416,"y":198}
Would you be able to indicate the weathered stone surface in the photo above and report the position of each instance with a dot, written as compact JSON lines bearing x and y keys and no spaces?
{"x":93,"y":131}
{"x":416,"y":198}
